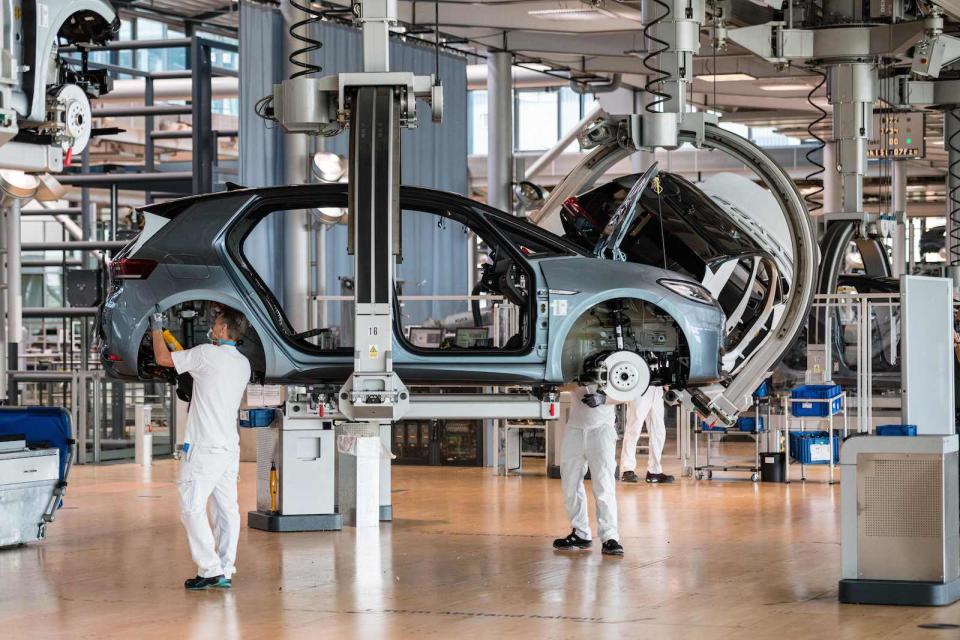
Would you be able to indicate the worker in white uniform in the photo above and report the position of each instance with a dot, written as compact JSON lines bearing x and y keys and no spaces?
{"x":590,"y":441}
{"x":647,"y":409}
{"x":211,"y":446}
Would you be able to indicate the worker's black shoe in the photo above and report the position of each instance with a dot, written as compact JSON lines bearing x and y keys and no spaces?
{"x":658,"y":478}
{"x":629,"y":476}
{"x":611,"y":548}
{"x":199,"y":584}
{"x":572,"y":542}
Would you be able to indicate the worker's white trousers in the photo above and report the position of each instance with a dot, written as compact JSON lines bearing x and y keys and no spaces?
{"x":596,"y":449}
{"x":648,"y":409}
{"x":211,"y":472}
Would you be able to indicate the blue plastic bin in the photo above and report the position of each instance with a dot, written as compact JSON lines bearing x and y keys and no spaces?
{"x":749,"y":424}
{"x":762,"y":391}
{"x":256,"y":418}
{"x":816,"y":409}
{"x":897,"y":430}
{"x":717,"y":427}
{"x":802,"y":445}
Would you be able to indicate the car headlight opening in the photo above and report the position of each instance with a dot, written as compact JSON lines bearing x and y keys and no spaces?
{"x":688,"y":290}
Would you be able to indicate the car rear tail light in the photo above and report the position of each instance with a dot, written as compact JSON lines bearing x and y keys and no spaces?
{"x":132,"y":268}
{"x":112,"y":357}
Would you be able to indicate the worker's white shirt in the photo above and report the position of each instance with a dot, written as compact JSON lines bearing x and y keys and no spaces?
{"x":220,"y":376}
{"x":584,"y":417}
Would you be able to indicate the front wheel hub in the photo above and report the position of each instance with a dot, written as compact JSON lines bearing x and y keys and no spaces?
{"x":627,"y":374}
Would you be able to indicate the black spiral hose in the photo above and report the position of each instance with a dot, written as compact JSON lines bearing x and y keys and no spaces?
{"x":813,"y":202}
{"x":310,"y":44}
{"x":662,"y":75}
{"x":953,"y":241}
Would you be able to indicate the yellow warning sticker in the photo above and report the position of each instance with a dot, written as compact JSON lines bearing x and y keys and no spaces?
{"x":374,"y":354}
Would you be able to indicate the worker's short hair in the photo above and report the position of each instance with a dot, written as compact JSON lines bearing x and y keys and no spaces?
{"x":235,"y":320}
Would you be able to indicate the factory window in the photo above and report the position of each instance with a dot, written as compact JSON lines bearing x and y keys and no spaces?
{"x":477,"y":122}
{"x":537,"y":120}
{"x":159,"y":59}
{"x":541,"y":117}
{"x":771,"y":137}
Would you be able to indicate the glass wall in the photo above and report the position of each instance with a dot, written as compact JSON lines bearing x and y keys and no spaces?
{"x":541,"y":117}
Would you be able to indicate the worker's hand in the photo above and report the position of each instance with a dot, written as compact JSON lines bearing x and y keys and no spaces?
{"x":594,"y":400}
{"x":156,"y":321}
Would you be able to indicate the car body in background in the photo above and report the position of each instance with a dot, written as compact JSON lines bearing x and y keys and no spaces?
{"x":190,"y":255}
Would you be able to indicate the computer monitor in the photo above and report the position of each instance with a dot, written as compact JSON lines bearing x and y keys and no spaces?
{"x":426,"y":337}
{"x":472,"y":337}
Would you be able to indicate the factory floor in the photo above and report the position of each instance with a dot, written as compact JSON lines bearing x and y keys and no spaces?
{"x":468,"y":556}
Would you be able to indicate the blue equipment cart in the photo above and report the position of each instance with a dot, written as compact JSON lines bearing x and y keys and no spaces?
{"x":36,"y":453}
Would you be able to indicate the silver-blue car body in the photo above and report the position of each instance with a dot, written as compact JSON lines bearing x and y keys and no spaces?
{"x":190,"y":251}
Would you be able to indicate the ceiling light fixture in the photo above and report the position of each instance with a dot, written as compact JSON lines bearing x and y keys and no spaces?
{"x":726,"y":77}
{"x":785,"y":87}
{"x":581,"y":11}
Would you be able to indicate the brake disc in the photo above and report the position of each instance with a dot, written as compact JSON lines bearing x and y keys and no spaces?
{"x":627,"y":374}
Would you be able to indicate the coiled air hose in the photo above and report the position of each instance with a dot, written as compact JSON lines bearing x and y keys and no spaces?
{"x":661,"y":75}
{"x":815,"y":203}
{"x":301,"y":57}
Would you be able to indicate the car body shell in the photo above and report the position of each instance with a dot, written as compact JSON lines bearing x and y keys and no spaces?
{"x":198,"y":254}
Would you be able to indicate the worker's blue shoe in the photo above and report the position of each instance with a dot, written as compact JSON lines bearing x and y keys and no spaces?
{"x":199,"y":584}
{"x":611,"y":548}
{"x":572,"y":542}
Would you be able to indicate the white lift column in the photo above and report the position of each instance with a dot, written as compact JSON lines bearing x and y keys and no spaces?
{"x":500,"y":129}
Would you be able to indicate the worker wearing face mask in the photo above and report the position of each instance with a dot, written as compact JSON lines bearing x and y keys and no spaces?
{"x":590,"y":441}
{"x":211,"y":446}
{"x":648,"y":409}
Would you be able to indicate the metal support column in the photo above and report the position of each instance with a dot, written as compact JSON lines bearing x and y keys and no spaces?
{"x":88,"y":224}
{"x":201,"y":118}
{"x":898,"y":206}
{"x":14,"y":293}
{"x":5,"y":366}
{"x":114,"y":210}
{"x":148,"y":126}
{"x":296,"y":160}
{"x":499,"y":129}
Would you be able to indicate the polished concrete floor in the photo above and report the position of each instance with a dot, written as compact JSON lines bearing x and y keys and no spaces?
{"x":468,"y":556}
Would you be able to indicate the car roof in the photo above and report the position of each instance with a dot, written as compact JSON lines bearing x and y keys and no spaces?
{"x":171,"y":207}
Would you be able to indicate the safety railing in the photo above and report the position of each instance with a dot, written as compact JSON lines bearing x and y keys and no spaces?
{"x":861,"y":316}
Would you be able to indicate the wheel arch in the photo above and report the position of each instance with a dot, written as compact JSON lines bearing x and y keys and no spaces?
{"x":564,"y":335}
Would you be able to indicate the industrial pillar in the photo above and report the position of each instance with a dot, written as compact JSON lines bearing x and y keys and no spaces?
{"x":500,"y":130}
{"x":898,"y":207}
{"x":296,"y":159}
{"x":4,"y":364}
{"x":14,"y":281}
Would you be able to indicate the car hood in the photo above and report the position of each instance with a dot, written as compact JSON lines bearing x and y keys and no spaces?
{"x":697,"y":233}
